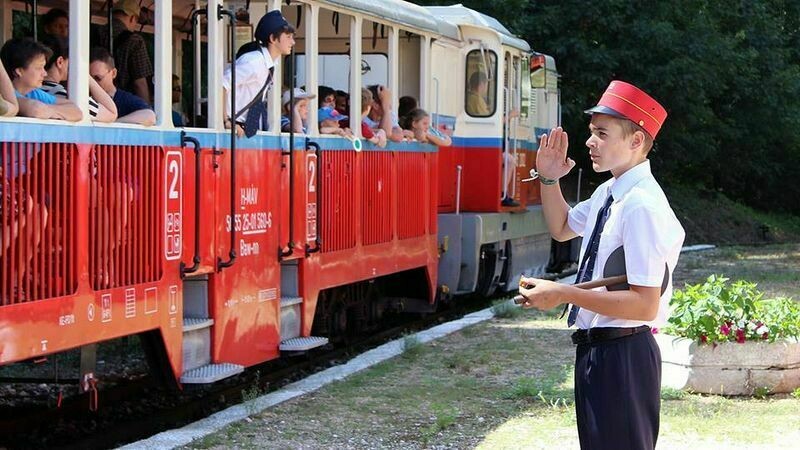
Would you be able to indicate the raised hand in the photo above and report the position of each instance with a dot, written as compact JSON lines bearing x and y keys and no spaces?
{"x":551,"y":159}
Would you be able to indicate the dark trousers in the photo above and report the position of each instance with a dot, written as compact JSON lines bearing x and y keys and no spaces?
{"x":617,"y":393}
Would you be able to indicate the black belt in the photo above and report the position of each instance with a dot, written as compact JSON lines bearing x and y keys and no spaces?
{"x":595,"y":335}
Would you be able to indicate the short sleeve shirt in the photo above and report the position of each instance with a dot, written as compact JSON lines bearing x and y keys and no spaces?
{"x":59,"y":91}
{"x":643,"y":223}
{"x":128,"y":103}
{"x":39,"y":95}
{"x":131,"y":57}
{"x":252,"y":71}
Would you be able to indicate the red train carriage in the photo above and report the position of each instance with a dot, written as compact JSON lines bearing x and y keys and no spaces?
{"x":223,"y":252}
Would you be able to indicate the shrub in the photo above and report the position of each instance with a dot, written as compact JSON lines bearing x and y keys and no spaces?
{"x":715,"y":311}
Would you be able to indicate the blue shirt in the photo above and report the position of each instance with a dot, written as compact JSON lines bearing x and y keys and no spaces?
{"x":286,"y":125}
{"x":128,"y":103}
{"x":39,"y":95}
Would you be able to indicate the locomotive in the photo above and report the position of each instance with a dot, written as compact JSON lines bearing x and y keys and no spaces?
{"x":222,"y":252}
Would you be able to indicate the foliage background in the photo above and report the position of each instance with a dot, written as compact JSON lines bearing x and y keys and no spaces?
{"x":726,"y":71}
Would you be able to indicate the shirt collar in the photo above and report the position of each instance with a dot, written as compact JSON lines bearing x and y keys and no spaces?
{"x":629,"y":179}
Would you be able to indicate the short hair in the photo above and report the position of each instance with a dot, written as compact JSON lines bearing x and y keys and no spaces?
{"x":51,"y":16}
{"x":629,"y":127}
{"x":406,"y":104}
{"x":286,"y":29}
{"x":324,"y":91}
{"x":20,"y":52}
{"x":476,"y":79}
{"x":413,"y":116}
{"x":58,"y":45}
{"x":340,"y":93}
{"x":102,"y":55}
{"x":366,"y":100}
{"x":374,"y":89}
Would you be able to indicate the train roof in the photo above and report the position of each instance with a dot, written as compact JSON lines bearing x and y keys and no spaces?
{"x":401,"y":12}
{"x":461,"y":15}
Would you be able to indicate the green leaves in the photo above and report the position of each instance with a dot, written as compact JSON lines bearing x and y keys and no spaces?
{"x":715,"y":311}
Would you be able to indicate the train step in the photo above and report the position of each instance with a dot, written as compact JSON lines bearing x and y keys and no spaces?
{"x":196,"y":323}
{"x":299,"y":344}
{"x":210,"y":373}
{"x":290,"y":317}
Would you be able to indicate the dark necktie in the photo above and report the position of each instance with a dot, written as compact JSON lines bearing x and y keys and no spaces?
{"x":590,"y":257}
{"x":257,"y":116}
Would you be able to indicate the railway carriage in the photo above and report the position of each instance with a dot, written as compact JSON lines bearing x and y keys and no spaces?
{"x":223,"y":252}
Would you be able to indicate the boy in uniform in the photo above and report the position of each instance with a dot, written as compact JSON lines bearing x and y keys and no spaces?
{"x":617,"y":364}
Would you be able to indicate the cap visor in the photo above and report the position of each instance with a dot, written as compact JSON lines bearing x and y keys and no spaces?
{"x":600,"y":109}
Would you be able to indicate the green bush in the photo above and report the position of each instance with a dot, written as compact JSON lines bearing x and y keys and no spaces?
{"x":715,"y":311}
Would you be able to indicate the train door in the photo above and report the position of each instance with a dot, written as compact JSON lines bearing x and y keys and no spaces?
{"x":511,"y":123}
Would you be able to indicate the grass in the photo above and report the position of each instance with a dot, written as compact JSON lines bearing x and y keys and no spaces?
{"x":507,"y":383}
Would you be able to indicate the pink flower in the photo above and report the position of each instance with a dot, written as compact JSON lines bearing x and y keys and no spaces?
{"x":703,"y":338}
{"x":740,"y":336}
{"x":725,"y":329}
{"x":654,"y":330}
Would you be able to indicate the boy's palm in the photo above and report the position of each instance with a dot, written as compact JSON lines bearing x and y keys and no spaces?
{"x":551,"y":159}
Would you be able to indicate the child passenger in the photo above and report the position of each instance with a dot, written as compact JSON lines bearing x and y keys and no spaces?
{"x":299,"y":110}
{"x":329,"y":119}
{"x":377,"y":137}
{"x":419,"y":121}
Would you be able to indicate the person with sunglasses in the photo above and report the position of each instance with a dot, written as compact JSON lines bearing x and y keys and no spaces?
{"x":130,"y":108}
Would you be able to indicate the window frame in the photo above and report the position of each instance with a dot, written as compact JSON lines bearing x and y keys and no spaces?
{"x":492,"y":88}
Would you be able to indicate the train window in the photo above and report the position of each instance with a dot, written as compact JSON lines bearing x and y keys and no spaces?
{"x":481,"y":83}
{"x":525,"y":89}
{"x":334,"y":70}
{"x":538,"y":72}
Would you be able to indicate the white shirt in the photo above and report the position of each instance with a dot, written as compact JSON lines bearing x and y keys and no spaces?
{"x":641,"y":221}
{"x":252,"y":70}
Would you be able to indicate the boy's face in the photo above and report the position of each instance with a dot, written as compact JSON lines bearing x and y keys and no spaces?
{"x":32,"y":75}
{"x":103,"y":74}
{"x":609,"y":149}
{"x":284,"y":43}
{"x":58,"y":27}
{"x":302,"y":108}
{"x":328,"y":101}
{"x":341,"y":102}
{"x":366,"y":111}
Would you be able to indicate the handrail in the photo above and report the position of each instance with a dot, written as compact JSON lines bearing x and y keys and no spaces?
{"x":232,"y":254}
{"x":506,"y":140}
{"x":458,"y":188}
{"x":290,"y":245}
{"x":514,"y":143}
{"x":35,"y":19}
{"x":196,"y":57}
{"x":317,"y":173}
{"x":436,"y":116}
{"x":197,"y":166}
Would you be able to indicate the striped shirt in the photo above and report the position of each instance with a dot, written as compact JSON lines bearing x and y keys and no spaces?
{"x":59,"y":91}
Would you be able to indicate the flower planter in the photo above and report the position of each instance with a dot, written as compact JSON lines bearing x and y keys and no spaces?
{"x":729,"y":368}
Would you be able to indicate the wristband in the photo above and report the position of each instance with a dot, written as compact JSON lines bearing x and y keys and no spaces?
{"x":547,"y":181}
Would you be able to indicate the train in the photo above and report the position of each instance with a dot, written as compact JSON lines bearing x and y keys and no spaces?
{"x":220,"y":252}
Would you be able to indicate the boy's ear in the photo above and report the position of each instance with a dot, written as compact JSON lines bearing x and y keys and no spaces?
{"x":637,"y":139}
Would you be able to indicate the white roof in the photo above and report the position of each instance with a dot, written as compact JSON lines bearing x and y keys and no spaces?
{"x":398,"y":11}
{"x":461,"y":15}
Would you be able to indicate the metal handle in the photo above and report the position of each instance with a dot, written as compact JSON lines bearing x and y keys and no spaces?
{"x":196,"y":259}
{"x":232,"y":37}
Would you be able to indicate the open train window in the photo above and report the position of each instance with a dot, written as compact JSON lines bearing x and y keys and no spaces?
{"x":481,"y":84}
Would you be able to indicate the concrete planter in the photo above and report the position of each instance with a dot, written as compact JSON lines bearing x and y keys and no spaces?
{"x":729,"y":368}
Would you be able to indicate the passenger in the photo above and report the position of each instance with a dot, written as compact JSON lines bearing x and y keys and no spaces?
{"x":329,"y":119}
{"x":179,"y":119}
{"x":134,"y":67}
{"x":299,"y":111}
{"x":327,"y":97}
{"x":343,"y":102}
{"x":255,"y":63}
{"x":477,"y":94}
{"x":407,"y":104}
{"x":56,"y":23}
{"x":24,"y":60}
{"x":378,"y":137}
{"x":381,"y":116}
{"x":130,"y":108}
{"x":419,"y":121}
{"x":8,"y":98}
{"x":101,"y":110}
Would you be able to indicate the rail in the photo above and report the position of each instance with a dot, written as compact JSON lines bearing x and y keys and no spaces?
{"x":282,"y":253}
{"x":196,"y":259}
{"x":232,"y":38}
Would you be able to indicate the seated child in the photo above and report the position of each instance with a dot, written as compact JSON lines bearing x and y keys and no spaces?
{"x":299,"y":111}
{"x":419,"y":121}
{"x":329,"y":119}
{"x":377,"y":137}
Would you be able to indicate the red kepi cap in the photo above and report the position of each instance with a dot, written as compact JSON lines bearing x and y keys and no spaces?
{"x":625,"y":100}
